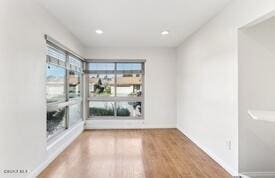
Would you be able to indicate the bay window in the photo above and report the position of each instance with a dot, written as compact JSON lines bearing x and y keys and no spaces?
{"x":114,"y":89}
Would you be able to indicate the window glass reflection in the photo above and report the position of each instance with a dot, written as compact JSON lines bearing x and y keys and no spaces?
{"x":56,"y":121}
{"x":74,"y":84}
{"x":129,"y":109}
{"x":129,"y":85}
{"x":55,"y":83}
{"x":98,"y":108}
{"x":101,"y":85}
{"x":74,"y":113}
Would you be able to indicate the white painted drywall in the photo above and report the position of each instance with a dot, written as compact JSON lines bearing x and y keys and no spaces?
{"x":160,"y":85}
{"x":133,"y":23}
{"x":256,"y":92}
{"x":22,"y":90}
{"x":207,"y":78}
{"x":206,"y":81}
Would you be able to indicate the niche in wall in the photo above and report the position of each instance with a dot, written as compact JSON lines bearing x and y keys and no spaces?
{"x":256,"y":50}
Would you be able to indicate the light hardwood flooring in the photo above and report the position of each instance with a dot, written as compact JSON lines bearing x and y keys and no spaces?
{"x":152,"y":153}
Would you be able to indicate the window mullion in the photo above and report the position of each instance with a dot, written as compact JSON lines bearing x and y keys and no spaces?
{"x":115,"y":86}
{"x":143,"y":90}
{"x":67,"y":90}
{"x":86,"y":91}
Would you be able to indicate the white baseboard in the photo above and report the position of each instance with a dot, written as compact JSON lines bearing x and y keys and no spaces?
{"x":124,"y":124}
{"x":258,"y":174}
{"x":56,"y":147}
{"x":244,"y":176}
{"x":210,"y":153}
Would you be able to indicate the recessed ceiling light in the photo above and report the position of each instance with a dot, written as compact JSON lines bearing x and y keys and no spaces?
{"x":165,"y":32}
{"x":99,"y":31}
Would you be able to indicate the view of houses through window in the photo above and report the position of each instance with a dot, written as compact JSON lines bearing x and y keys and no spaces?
{"x":63,"y":90}
{"x":116,"y":90}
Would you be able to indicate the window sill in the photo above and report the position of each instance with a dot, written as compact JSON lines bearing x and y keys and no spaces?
{"x":60,"y":136}
{"x":115,"y":118}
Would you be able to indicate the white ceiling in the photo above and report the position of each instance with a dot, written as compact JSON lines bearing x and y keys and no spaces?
{"x":133,"y":23}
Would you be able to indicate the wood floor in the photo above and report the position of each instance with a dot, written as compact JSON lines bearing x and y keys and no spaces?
{"x":156,"y":153}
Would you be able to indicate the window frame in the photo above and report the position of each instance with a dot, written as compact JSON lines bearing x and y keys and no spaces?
{"x":115,"y":98}
{"x":68,"y":66}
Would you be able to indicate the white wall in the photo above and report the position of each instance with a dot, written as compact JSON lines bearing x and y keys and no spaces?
{"x":160,"y":85}
{"x":207,"y":77}
{"x":256,"y":92}
{"x":22,"y":90}
{"x":206,"y":81}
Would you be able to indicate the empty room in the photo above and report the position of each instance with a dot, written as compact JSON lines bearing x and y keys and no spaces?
{"x":137,"y":89}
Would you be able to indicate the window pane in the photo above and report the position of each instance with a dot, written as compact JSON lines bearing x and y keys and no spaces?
{"x":101,"y":66}
{"x":56,"y":53}
{"x":129,"y":109}
{"x":74,"y":84}
{"x":98,"y":108}
{"x":75,"y":61}
{"x":74,"y":113}
{"x":55,"y":83}
{"x":101,"y":85}
{"x":129,"y":84}
{"x":56,"y":121}
{"x":129,"y":66}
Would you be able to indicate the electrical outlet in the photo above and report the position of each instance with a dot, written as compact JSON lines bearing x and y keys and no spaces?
{"x":228,"y":144}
